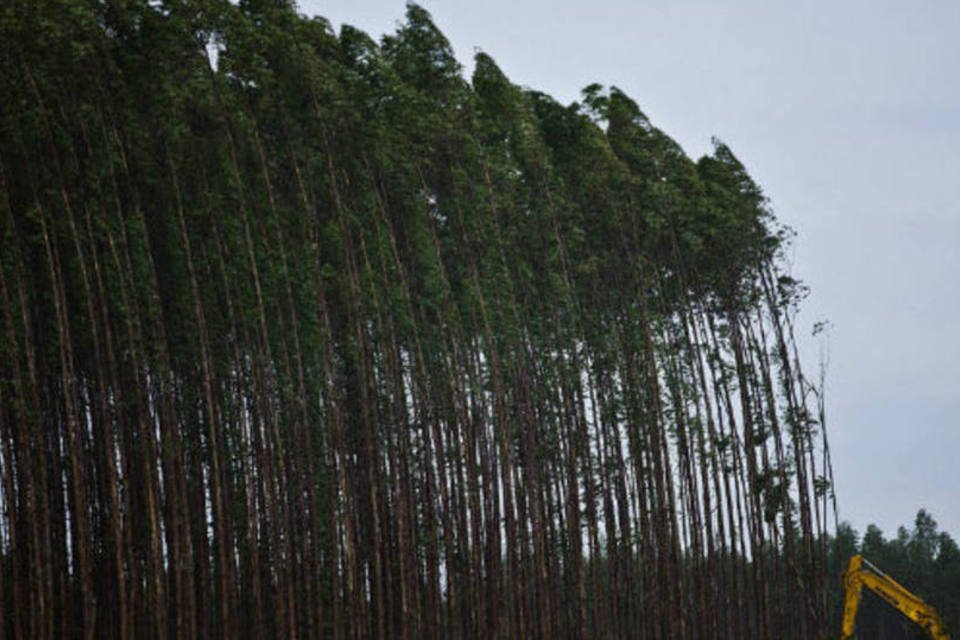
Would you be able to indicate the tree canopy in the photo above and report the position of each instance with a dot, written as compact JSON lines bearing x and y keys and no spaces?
{"x":306,"y":334}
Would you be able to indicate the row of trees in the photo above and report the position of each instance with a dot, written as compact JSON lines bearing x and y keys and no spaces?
{"x":304,"y":335}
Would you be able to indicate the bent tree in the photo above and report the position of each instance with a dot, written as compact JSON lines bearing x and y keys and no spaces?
{"x":307,"y":335}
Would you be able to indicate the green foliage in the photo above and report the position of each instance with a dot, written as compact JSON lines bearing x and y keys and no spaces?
{"x":303,"y":334}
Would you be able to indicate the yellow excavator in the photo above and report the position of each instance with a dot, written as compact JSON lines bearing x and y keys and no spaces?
{"x":860,"y":573}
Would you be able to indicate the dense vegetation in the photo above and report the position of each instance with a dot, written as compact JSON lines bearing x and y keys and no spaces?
{"x":923,"y":559}
{"x":305,"y":335}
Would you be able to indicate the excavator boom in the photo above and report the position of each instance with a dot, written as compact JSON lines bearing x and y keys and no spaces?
{"x":860,"y":573}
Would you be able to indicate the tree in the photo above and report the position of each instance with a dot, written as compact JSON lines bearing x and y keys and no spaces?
{"x":305,"y":335}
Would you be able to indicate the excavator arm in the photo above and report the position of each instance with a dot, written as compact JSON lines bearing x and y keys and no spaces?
{"x":860,"y":573}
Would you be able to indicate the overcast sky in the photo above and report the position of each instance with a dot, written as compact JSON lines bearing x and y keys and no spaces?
{"x":848,"y":115}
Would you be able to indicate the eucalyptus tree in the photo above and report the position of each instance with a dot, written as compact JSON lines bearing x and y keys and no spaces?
{"x":305,"y":334}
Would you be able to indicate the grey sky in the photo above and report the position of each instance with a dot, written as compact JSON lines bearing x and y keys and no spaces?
{"x":848,"y":114}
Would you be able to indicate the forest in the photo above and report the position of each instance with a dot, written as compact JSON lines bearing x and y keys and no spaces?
{"x":306,"y":334}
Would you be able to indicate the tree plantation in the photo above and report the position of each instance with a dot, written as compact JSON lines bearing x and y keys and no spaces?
{"x":307,"y":335}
